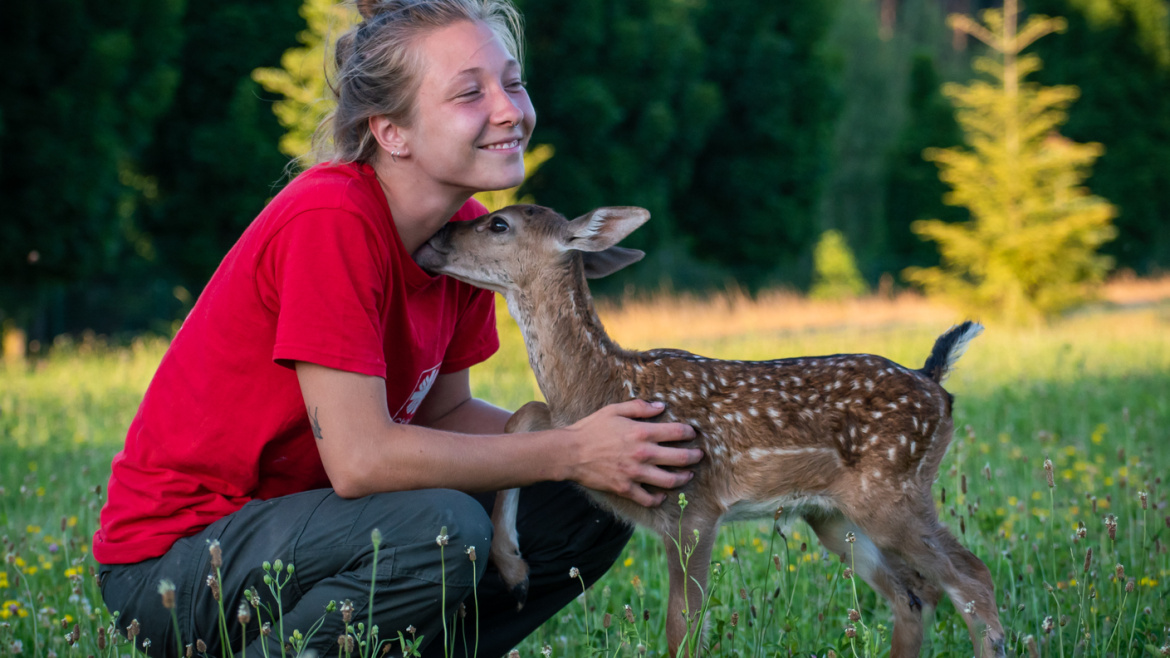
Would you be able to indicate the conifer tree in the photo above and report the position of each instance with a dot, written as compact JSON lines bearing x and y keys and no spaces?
{"x":1029,"y":250}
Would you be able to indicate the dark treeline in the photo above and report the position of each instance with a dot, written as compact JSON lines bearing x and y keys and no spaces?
{"x":135,"y":148}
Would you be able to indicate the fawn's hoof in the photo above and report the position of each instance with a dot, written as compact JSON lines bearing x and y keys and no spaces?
{"x":520,"y":593}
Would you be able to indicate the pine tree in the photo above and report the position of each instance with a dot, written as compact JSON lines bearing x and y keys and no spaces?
{"x":1029,"y":250}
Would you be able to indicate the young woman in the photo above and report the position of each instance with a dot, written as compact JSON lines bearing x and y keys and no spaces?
{"x":319,"y":388}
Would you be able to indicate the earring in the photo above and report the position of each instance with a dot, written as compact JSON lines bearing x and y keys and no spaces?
{"x":394,"y":155}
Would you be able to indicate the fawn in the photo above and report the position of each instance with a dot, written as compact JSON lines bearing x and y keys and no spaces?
{"x":850,"y":443}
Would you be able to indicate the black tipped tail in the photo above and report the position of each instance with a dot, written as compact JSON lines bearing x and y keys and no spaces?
{"x":948,"y":348}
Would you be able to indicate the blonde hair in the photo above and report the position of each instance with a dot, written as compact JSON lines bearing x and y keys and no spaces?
{"x":378,"y":69}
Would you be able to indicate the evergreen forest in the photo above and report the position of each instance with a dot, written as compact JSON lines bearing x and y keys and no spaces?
{"x":136,"y":144}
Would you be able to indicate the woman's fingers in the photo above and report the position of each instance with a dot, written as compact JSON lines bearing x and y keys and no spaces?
{"x":664,"y":479}
{"x":635,"y":409}
{"x":619,"y":452}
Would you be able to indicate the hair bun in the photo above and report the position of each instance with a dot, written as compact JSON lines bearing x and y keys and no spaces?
{"x":368,"y":8}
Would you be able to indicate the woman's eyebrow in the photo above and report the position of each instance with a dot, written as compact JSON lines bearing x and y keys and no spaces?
{"x":475,"y":71}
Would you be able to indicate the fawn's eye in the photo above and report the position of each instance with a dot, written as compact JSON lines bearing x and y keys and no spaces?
{"x":497,"y":225}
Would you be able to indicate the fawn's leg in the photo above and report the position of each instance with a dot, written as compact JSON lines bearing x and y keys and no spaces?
{"x":912,"y":530}
{"x":688,"y":580}
{"x":505,"y":550}
{"x":908,"y":593}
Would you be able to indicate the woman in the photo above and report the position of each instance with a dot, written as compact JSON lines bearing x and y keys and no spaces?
{"x":319,"y":388}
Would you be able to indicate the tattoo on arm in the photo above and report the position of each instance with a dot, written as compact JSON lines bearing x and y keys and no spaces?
{"x":316,"y":425}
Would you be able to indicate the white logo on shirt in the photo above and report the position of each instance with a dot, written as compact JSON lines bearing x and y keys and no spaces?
{"x":410,"y":407}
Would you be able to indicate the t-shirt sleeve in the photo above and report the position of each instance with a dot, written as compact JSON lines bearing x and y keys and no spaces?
{"x":475,"y":337}
{"x":323,"y":275}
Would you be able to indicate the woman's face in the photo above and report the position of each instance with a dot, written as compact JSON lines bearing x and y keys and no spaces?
{"x":472,"y":117}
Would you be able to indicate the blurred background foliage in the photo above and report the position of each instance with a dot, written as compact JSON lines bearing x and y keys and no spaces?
{"x":138,"y":139}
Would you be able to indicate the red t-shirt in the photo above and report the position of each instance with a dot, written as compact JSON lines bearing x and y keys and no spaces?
{"x":320,"y":276}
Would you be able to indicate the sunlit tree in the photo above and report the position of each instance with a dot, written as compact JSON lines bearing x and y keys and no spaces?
{"x":1029,"y":249}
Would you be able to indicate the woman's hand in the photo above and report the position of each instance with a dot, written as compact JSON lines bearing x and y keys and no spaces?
{"x":610,"y":451}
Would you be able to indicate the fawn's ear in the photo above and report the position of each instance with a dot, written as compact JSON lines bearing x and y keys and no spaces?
{"x":603,"y":228}
{"x":606,"y":262}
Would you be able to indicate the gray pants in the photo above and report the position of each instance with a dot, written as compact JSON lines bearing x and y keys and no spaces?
{"x":327,"y":538}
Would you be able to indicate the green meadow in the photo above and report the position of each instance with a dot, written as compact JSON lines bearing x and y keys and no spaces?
{"x":1081,"y":567}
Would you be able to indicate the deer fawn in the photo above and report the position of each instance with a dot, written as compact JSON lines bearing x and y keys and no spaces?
{"x":850,"y":443}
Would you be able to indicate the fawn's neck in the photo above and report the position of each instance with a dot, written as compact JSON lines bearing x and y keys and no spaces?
{"x":574,"y":360}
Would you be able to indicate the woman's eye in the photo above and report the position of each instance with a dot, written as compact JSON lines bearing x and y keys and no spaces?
{"x":498,"y":225}
{"x":516,"y":85}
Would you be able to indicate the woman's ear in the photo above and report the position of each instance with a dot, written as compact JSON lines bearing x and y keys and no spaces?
{"x":388,"y":135}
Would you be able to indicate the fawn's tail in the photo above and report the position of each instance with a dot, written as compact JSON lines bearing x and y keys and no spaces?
{"x":948,"y":348}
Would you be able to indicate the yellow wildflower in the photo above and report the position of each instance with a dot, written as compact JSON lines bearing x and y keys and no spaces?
{"x":1099,"y":433}
{"x":628,"y":562}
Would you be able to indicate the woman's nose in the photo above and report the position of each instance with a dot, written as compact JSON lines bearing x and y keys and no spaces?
{"x":506,"y":109}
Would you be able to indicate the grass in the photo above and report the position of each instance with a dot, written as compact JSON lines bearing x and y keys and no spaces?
{"x":1091,"y":394}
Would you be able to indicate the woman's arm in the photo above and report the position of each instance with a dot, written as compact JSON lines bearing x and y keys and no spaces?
{"x":365,"y":452}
